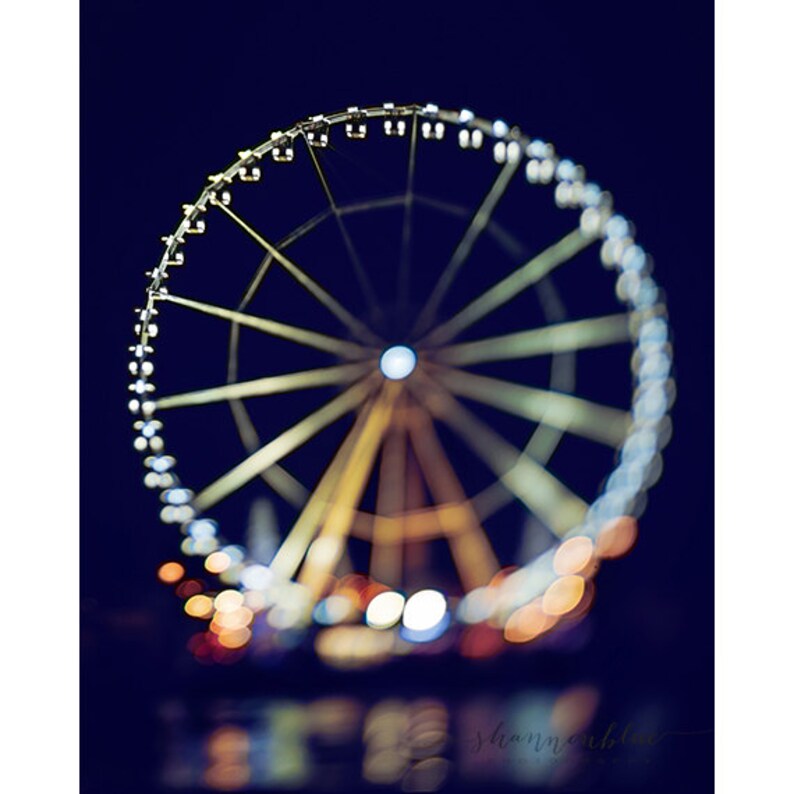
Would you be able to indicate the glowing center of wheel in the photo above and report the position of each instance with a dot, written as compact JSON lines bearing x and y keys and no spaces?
{"x":397,"y":362}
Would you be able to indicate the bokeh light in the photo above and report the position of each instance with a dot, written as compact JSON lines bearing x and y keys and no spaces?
{"x":574,"y":709}
{"x":385,"y":610}
{"x":427,"y":775}
{"x":528,"y":622}
{"x":574,"y":556}
{"x":481,"y":642}
{"x":256,"y":577}
{"x":424,"y":610}
{"x":477,"y":605}
{"x":234,"y":638}
{"x":170,"y":572}
{"x":234,"y":619}
{"x":353,"y":646}
{"x":217,"y":562}
{"x":617,"y":537}
{"x":563,"y":595}
{"x":227,"y":750}
{"x":199,"y":606}
{"x":188,"y":588}
{"x":229,"y":600}
{"x":334,"y":609}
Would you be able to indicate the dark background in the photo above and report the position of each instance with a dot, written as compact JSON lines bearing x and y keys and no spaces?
{"x":171,"y":90}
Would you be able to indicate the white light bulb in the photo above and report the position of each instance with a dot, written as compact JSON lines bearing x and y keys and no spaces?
{"x":397,"y":362}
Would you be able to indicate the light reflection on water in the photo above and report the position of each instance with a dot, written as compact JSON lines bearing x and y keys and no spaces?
{"x":535,"y":737}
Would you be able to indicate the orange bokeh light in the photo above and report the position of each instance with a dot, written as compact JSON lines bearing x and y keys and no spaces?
{"x":563,"y":595}
{"x":170,"y":572}
{"x":617,"y":537}
{"x":573,"y":556}
{"x":199,"y":606}
{"x":528,"y":622}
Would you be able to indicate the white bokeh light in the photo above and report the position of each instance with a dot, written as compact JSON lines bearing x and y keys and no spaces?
{"x":385,"y":610}
{"x":397,"y":362}
{"x":424,"y":610}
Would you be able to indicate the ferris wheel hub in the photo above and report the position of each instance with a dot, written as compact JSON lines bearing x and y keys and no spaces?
{"x":397,"y":362}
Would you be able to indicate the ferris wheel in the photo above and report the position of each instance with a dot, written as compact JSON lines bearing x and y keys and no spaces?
{"x":385,"y":320}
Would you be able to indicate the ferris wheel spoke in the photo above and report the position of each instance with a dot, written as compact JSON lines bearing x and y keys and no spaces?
{"x":502,"y":236}
{"x":311,"y":224}
{"x":279,"y":479}
{"x":361,"y":274}
{"x":283,"y":243}
{"x":509,"y":287}
{"x":326,"y":550}
{"x":461,"y":253}
{"x":353,"y":324}
{"x":559,"y":338}
{"x":282,"y":445}
{"x":532,"y":484}
{"x":492,"y":499}
{"x":471,"y":550}
{"x":387,"y":535}
{"x":395,"y":200}
{"x":404,"y":268}
{"x":289,"y":488}
{"x":273,"y":384}
{"x":295,"y":545}
{"x":496,"y":496}
{"x":566,"y":412}
{"x":302,"y":336}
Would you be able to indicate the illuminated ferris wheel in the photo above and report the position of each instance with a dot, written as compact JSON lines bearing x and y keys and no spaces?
{"x":403,"y":370}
